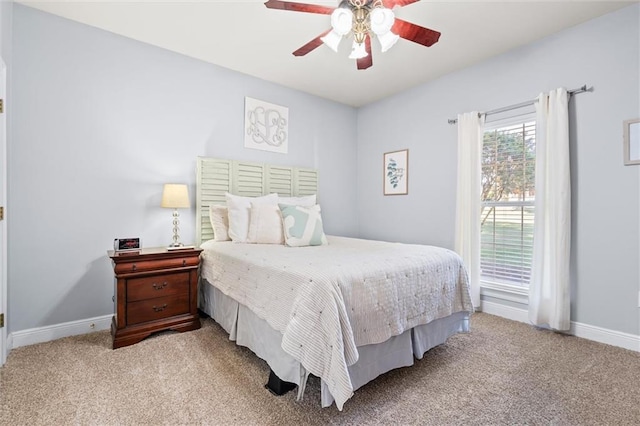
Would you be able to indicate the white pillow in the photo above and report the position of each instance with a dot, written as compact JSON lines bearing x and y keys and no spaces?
{"x":265,"y":224}
{"x":302,"y":226}
{"x":239,"y":208}
{"x":219,"y":218}
{"x":306,"y":201}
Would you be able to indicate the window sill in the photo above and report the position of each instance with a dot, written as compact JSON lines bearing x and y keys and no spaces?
{"x":507,"y":292}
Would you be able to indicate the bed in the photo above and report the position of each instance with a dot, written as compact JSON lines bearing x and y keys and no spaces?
{"x":346,"y":311}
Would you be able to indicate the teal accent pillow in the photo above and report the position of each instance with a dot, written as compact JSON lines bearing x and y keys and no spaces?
{"x":302,"y":226}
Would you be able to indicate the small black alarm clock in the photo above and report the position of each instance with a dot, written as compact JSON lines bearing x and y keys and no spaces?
{"x":126,"y":244}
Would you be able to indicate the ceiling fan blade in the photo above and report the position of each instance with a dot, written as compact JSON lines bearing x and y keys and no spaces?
{"x":415,"y":33}
{"x":389,"y":4}
{"x":299,"y":7}
{"x":367,"y":61}
{"x":311,"y":45}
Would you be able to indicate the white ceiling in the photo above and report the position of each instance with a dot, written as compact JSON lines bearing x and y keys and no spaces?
{"x":245,"y":36}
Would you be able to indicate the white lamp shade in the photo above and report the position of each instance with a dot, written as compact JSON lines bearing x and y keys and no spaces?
{"x":342,"y":20}
{"x":381,"y":20}
{"x":332,"y":40}
{"x":358,"y":51}
{"x":387,"y":40}
{"x":175,"y":196}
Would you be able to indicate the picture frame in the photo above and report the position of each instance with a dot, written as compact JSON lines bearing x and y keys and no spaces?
{"x":631,"y":141}
{"x":266,"y":126}
{"x":395,"y":172}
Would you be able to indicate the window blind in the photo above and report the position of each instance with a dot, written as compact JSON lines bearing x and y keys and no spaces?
{"x":508,"y":196}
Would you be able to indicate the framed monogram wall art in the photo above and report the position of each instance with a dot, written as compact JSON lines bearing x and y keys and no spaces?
{"x":266,"y":126}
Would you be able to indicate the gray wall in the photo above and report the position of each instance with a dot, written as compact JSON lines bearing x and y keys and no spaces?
{"x":100,"y":124}
{"x":603,"y":53}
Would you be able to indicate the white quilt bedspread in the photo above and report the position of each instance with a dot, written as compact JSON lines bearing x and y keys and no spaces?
{"x":327,"y":300}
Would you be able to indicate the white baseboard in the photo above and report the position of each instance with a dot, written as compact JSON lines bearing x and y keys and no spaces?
{"x":57,"y":331}
{"x":504,"y":311}
{"x":585,"y":331}
{"x":603,"y":335}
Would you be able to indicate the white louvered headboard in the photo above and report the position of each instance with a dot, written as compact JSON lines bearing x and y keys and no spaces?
{"x":216,"y":176}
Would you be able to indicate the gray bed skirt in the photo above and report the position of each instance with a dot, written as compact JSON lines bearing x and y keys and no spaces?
{"x":246,"y":329}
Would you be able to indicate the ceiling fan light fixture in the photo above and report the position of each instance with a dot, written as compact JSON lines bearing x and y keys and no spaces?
{"x":358,"y":51}
{"x":332,"y":40}
{"x":382,"y":20}
{"x":387,"y":40}
{"x":342,"y":20}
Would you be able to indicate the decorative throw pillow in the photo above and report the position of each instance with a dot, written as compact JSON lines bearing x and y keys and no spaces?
{"x":239,"y":208}
{"x":265,"y":224}
{"x":302,"y":226}
{"x":305,"y":201}
{"x":219,"y":218}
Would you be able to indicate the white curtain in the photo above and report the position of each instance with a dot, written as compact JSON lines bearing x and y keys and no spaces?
{"x":549,"y":287}
{"x":469,"y":191}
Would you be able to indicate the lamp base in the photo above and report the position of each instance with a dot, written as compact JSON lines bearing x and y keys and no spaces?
{"x":176,"y":245}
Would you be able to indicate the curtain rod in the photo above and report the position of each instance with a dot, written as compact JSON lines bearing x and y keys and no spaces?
{"x":523,"y":104}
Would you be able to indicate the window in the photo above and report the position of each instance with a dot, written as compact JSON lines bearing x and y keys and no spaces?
{"x":508,"y":194}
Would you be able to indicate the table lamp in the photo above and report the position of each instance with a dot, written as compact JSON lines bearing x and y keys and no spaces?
{"x":175,"y":196}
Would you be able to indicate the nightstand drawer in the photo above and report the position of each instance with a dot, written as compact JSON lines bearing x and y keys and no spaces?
{"x":154,"y":265}
{"x":158,"y":308}
{"x":157,"y":286}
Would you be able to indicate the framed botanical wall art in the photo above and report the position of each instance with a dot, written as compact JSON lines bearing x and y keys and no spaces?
{"x":266,"y":126}
{"x":396,"y":172}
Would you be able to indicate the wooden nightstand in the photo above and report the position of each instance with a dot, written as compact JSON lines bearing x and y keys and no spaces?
{"x":155,"y":289}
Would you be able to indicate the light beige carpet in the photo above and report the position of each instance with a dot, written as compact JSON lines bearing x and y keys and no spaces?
{"x":503,"y":372}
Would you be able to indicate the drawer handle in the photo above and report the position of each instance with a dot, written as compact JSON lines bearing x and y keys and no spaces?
{"x":159,"y":308}
{"x":134,"y":267}
{"x":159,"y":286}
{"x":184,"y":262}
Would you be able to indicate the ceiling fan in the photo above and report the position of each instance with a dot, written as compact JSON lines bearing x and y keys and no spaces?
{"x":363,"y":19}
